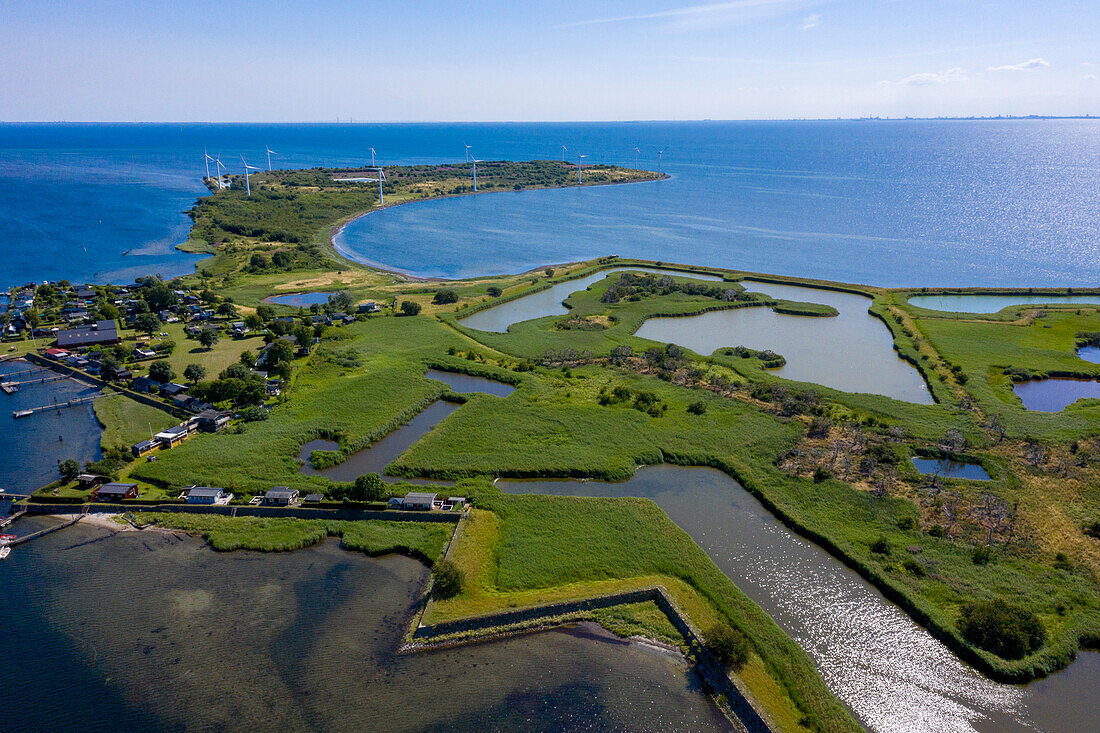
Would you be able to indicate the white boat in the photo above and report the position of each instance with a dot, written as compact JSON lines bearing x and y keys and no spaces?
{"x":4,"y":552}
{"x":22,"y":413}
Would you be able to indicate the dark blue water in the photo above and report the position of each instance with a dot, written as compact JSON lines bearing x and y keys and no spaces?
{"x":299,"y":300}
{"x":951,"y":469}
{"x":889,"y":203}
{"x":32,"y":446}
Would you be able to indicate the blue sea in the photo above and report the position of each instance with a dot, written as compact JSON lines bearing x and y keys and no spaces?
{"x":1012,"y":202}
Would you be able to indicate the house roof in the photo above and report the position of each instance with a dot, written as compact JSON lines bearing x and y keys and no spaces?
{"x":98,"y":333}
{"x":206,"y":491}
{"x":281,"y":492}
{"x":116,"y":488}
{"x":419,"y":497}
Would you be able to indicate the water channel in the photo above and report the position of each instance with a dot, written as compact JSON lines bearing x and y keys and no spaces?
{"x":548,"y":302}
{"x":891,"y":672}
{"x":299,"y":300}
{"x":951,"y":469}
{"x":978,"y":303}
{"x":852,"y":351}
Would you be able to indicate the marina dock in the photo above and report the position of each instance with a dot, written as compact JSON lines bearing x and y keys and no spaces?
{"x":74,"y":402}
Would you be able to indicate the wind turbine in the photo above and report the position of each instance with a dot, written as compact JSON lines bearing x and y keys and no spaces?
{"x":659,"y":154}
{"x":472,"y":159}
{"x":563,"y":149}
{"x":247,"y":167}
{"x":372,"y":163}
{"x":467,"y":152}
{"x":207,"y":160}
{"x":381,"y":177}
{"x":270,"y":152}
{"x":218,"y":161}
{"x":636,"y":151}
{"x":580,"y":163}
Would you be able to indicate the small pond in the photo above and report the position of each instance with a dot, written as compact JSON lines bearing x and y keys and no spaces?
{"x":852,"y":351}
{"x":978,"y":303}
{"x":466,"y":383}
{"x":951,"y":469}
{"x":1089,"y":353}
{"x":1055,"y":395}
{"x":298,"y":300}
{"x":548,"y":302}
{"x":892,"y":673}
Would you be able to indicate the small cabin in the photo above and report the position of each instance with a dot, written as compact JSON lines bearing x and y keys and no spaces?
{"x":90,"y":480}
{"x":417,"y":501}
{"x":208,"y":495}
{"x":115,"y":492}
{"x":144,"y":448}
{"x":173,"y":436}
{"x":281,"y":496}
{"x":212,"y":420}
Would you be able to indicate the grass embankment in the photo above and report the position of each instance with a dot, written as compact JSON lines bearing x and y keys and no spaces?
{"x":127,"y":421}
{"x":423,"y":540}
{"x":527,"y":550}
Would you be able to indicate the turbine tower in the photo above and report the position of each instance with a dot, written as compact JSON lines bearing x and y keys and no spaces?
{"x":372,"y":163}
{"x":467,"y":152}
{"x":472,"y":159}
{"x":247,"y":167}
{"x":659,"y":154}
{"x":381,"y":177}
{"x":207,"y":160}
{"x":218,"y":161}
{"x":580,"y":163}
{"x":270,"y":152}
{"x":636,"y":151}
{"x":563,"y":149}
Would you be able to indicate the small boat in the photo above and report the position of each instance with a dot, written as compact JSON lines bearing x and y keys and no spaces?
{"x":4,"y":552}
{"x":8,"y":537}
{"x":22,"y":413}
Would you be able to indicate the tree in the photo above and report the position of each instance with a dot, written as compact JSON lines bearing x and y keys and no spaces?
{"x":1002,"y":628}
{"x":341,"y":300}
{"x":227,"y":309}
{"x":208,"y":337}
{"x":996,"y":425}
{"x":259,"y":261}
{"x":448,"y":579}
{"x":147,"y":323}
{"x":549,"y":271}
{"x":444,"y":296}
{"x":69,"y":469}
{"x":368,"y":487}
{"x":729,"y":646}
{"x":159,"y":296}
{"x":494,"y":291}
{"x":161,"y":371}
{"x":248,"y":359}
{"x":255,"y":413}
{"x":265,"y":312}
{"x":194,"y":373}
{"x":409,"y":308}
{"x":252,"y":322}
{"x":953,"y":440}
{"x":303,"y":334}
{"x":282,"y":259}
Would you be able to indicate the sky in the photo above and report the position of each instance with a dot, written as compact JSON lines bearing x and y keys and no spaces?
{"x":439,"y":60}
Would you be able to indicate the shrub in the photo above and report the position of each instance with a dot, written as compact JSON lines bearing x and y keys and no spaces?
{"x":906,"y":523}
{"x":729,"y":646}
{"x":936,"y":530}
{"x":697,"y":408}
{"x":881,"y":546}
{"x":448,"y":579}
{"x":494,"y":291}
{"x":1061,"y":561}
{"x":1093,"y":530}
{"x":253,"y":414}
{"x":1002,"y":628}
{"x":409,"y":308}
{"x":914,"y":568}
{"x":981,"y":555}
{"x":68,"y":469}
{"x":822,"y":474}
{"x":445,"y":296}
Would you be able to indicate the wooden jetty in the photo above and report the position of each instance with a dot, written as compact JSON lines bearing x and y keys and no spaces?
{"x":40,"y":380}
{"x":25,"y":372}
{"x":74,"y":402}
{"x":47,"y":530}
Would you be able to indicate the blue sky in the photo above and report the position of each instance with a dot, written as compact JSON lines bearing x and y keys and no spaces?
{"x":240,"y":60}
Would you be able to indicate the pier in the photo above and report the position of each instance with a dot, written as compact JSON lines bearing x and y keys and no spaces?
{"x":23,"y":373}
{"x":40,"y":380}
{"x":74,"y":402}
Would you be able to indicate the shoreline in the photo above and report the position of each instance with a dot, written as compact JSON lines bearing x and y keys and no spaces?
{"x":339,"y":227}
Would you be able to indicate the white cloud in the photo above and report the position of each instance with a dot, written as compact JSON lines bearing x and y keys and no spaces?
{"x":713,"y":11}
{"x":1028,"y":65}
{"x":929,"y":78}
{"x":811,"y":21}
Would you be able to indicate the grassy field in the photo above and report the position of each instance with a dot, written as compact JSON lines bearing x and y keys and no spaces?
{"x":559,"y":422}
{"x":126,"y":421}
{"x":424,"y":540}
{"x":188,"y":351}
